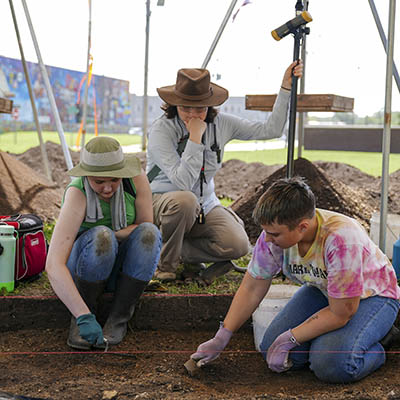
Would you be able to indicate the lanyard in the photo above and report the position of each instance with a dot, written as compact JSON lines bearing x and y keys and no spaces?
{"x":215,"y":146}
{"x":201,"y":218}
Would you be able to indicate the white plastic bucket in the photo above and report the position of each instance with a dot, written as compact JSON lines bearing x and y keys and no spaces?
{"x":392,"y":231}
{"x":277,"y":297}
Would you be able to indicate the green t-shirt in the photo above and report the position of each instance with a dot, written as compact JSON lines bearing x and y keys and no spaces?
{"x":106,"y":207}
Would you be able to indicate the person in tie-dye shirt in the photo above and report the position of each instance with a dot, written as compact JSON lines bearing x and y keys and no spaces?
{"x":339,"y":320}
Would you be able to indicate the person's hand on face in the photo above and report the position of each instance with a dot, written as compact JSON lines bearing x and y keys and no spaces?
{"x":193,"y":118}
{"x":196,"y":128}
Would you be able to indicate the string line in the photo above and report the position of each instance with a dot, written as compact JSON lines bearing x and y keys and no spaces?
{"x":135,"y":352}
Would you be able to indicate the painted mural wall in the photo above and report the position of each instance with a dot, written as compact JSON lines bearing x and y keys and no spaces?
{"x":108,"y":96}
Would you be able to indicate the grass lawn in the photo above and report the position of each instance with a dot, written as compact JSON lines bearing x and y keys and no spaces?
{"x":21,"y":141}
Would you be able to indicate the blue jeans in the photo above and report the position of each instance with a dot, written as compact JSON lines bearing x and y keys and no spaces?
{"x":344,"y":355}
{"x":97,"y":256}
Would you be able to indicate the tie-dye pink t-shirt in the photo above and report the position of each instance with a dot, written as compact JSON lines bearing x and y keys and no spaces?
{"x":342,"y":262}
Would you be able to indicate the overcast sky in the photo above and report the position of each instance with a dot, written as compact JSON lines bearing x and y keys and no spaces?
{"x":345,"y":55}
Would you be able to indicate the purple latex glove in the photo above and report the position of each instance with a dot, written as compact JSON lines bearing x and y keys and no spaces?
{"x":210,"y":350}
{"x":278,"y":353}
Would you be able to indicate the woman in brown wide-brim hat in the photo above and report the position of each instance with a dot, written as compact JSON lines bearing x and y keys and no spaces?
{"x":104,"y":240}
{"x":185,"y":151}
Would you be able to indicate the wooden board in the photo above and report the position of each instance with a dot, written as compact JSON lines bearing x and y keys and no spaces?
{"x":305,"y":102}
{"x":6,"y":106}
{"x":349,"y":138}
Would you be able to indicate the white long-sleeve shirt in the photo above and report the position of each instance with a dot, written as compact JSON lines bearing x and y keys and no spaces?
{"x":183,"y":173}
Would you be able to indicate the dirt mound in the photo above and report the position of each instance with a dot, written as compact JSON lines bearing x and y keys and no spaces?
{"x":394,"y":192}
{"x":348,"y":174}
{"x":370,"y":185}
{"x":330,"y":194}
{"x":58,"y":167}
{"x":236,"y":176}
{"x":22,"y":190}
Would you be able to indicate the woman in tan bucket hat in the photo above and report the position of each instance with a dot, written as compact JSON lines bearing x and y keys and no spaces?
{"x":104,"y":240}
{"x":185,"y":151}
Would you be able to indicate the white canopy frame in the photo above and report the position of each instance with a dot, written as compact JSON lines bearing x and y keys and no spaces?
{"x":31,"y":96}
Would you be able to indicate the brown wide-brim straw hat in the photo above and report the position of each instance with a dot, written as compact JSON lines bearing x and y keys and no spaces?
{"x":103,"y":156}
{"x":193,"y":88}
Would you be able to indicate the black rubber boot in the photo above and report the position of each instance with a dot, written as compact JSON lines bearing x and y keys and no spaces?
{"x":90,"y":293}
{"x":392,"y":336}
{"x":214,"y":271}
{"x":127,"y":294}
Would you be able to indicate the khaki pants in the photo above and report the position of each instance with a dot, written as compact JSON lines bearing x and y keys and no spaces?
{"x":221,"y":238}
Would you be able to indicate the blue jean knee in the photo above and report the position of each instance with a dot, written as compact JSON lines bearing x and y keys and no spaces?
{"x":93,"y":254}
{"x":139,"y":253}
{"x":351,"y":353}
{"x":344,"y":355}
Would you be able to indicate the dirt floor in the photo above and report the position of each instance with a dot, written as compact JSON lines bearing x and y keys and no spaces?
{"x":149,"y":363}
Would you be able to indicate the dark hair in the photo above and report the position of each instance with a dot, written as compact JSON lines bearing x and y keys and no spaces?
{"x":286,"y":202}
{"x":172,"y":112}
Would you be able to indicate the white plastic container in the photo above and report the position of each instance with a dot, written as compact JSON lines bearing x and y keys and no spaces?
{"x":277,"y":297}
{"x":392,"y":231}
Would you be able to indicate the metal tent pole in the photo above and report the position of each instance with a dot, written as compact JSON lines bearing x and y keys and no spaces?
{"x":146,"y":68}
{"x":293,"y":107}
{"x":386,"y":127}
{"x":384,"y":41}
{"x":218,"y":35}
{"x":34,"y":110}
{"x":302,"y":115}
{"x":85,"y":101}
{"x":49,"y":91}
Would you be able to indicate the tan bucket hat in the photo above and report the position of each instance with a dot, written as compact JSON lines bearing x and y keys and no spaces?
{"x":193,"y":88}
{"x":103,"y":156}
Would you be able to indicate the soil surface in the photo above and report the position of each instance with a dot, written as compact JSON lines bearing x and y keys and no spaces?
{"x":149,"y":365}
{"x":23,"y":190}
